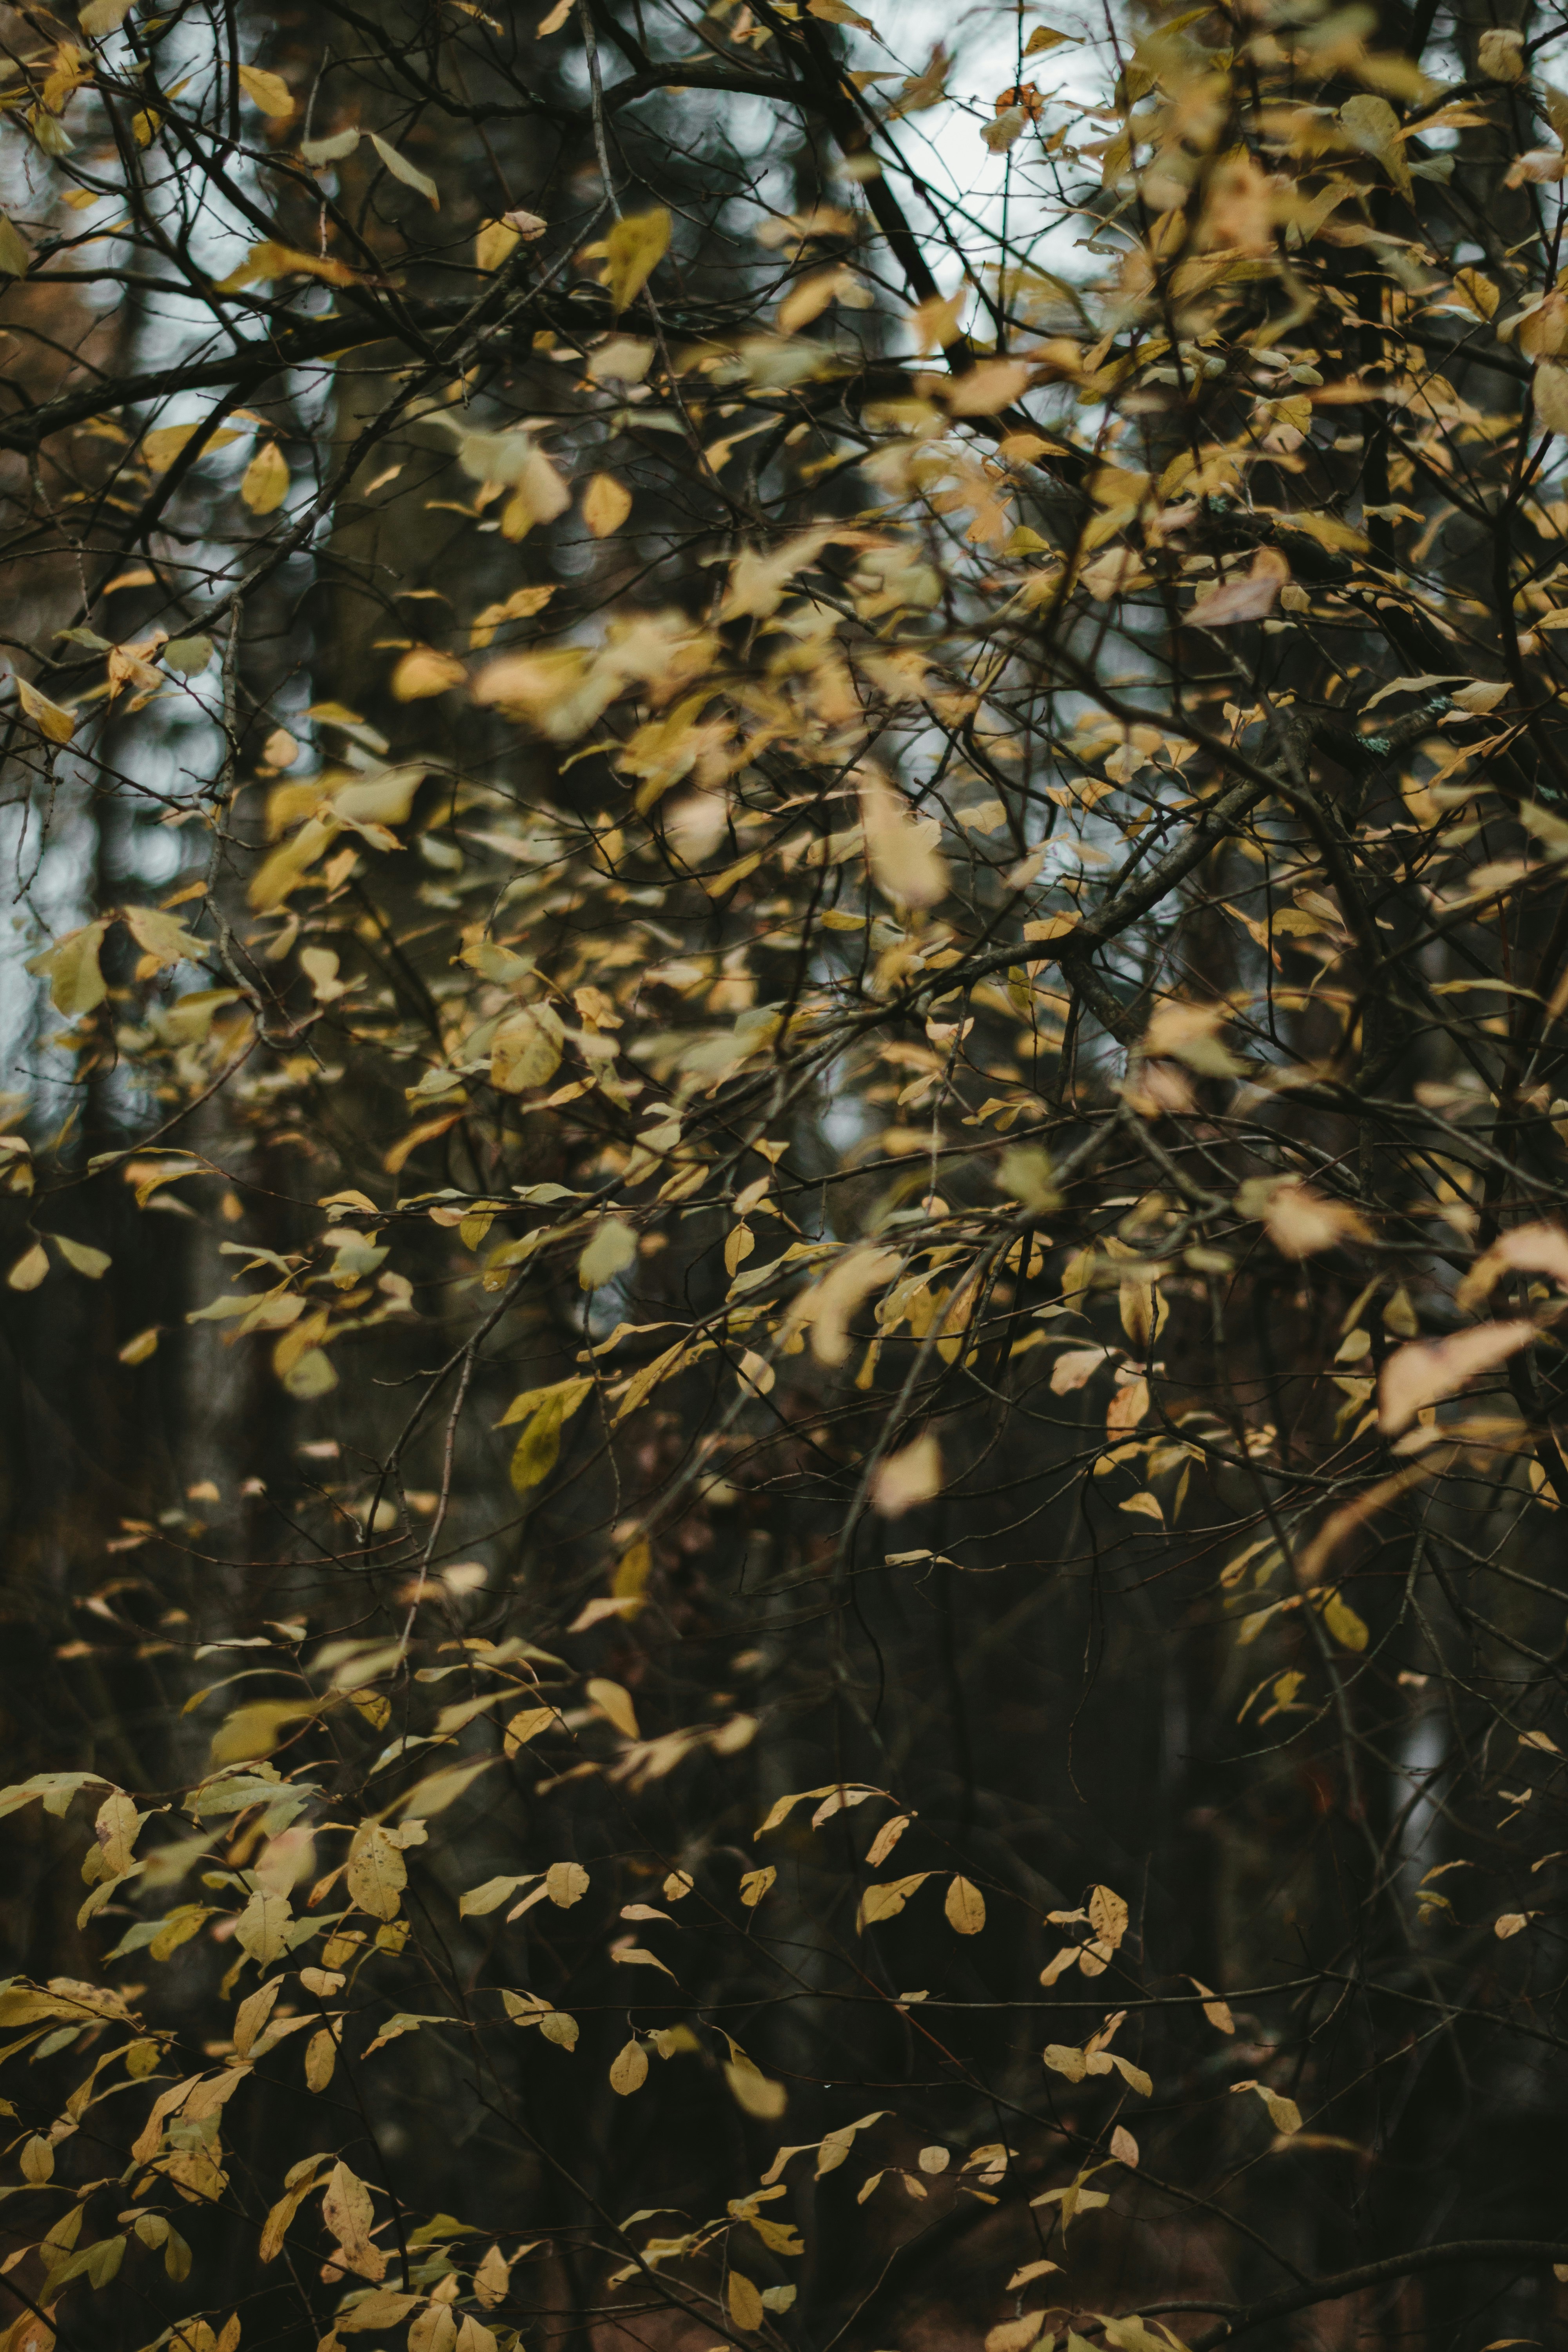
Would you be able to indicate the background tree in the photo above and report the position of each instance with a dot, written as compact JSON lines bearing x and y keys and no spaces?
{"x":786,"y":1177}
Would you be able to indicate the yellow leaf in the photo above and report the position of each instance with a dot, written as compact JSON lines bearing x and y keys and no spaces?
{"x":885,"y":1839}
{"x":263,"y":1928}
{"x":964,"y":1907}
{"x":633,"y":249}
{"x":162,"y":445}
{"x":145,"y":1344}
{"x":901,"y":847}
{"x":526,"y":1049}
{"x":29,"y":1269}
{"x":1283,"y":2113}
{"x":1343,"y":1622}
{"x":349,"y":2214}
{"x":161,"y":936}
{"x":630,"y":2071}
{"x":493,"y":2278}
{"x":606,"y":505}
{"x":910,"y":1477}
{"x":16,"y":258}
{"x":495,"y":240}
{"x":1478,"y":291}
{"x":1024,"y":1171}
{"x":754,"y":1884}
{"x":48,"y":717}
{"x":565,"y":1882}
{"x":423,"y":672}
{"x":535,"y":1454}
{"x":886,"y":1902}
{"x":751,"y":2088}
{"x":1216,"y":2010}
{"x":321,"y":2058}
{"x":808,"y":299}
{"x":1017,"y":2334}
{"x":614,"y":1702}
{"x":568,"y":1393}
{"x":633,"y":1569}
{"x":402,"y":169}
{"x":268,"y":91}
{"x":269,"y":259}
{"x":75,"y":983}
{"x":377,"y":1873}
{"x":255,"y":1730}
{"x":93,"y":1262}
{"x":265,"y":485}
{"x":745,"y":2303}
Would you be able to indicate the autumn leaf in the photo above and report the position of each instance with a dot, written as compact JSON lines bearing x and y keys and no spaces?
{"x":71,"y":967}
{"x":628,"y":2071}
{"x":268,"y":91}
{"x":633,"y":249}
{"x":264,"y":483}
{"x":54,"y":723}
{"x":964,"y":1907}
{"x":606,"y":503}
{"x":1426,"y":1370}
{"x":908,"y":1477}
{"x":402,"y":169}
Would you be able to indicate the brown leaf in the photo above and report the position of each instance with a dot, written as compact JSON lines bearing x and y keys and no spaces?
{"x":1251,"y":599}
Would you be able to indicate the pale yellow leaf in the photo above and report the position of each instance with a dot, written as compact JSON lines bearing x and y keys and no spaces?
{"x":614,"y":1703}
{"x":402,"y":169}
{"x":911,"y":1476}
